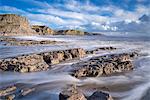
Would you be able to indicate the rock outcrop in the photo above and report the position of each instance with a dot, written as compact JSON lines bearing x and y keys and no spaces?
{"x":71,"y":32}
{"x":39,"y":62}
{"x":20,"y":42}
{"x":100,"y":49}
{"x":11,"y":24}
{"x":104,"y":65}
{"x":43,"y":30}
{"x":14,"y":92}
{"x":25,"y":63}
{"x":99,"y":95}
{"x":73,"y":93}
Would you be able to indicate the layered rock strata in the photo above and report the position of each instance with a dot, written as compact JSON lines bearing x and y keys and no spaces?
{"x":104,"y":65}
{"x":11,"y":24}
{"x":71,"y":32}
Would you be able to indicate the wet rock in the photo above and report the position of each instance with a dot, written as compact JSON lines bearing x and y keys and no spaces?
{"x":99,"y":95}
{"x":100,"y":49}
{"x":39,"y":62}
{"x":104,"y":65}
{"x":71,"y":93}
{"x":26,"y":63}
{"x":67,"y":56}
{"x":7,"y":90}
{"x":14,"y":92}
{"x":18,"y":42}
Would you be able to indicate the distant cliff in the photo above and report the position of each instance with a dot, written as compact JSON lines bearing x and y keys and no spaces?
{"x":11,"y":24}
{"x":43,"y":30}
{"x":71,"y":32}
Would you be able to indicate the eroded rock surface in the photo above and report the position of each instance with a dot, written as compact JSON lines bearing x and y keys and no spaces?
{"x":11,"y":24}
{"x":14,"y":92}
{"x":26,"y":63}
{"x":63,"y":55}
{"x":39,"y":62}
{"x":100,"y":49}
{"x":71,"y":93}
{"x":43,"y":30}
{"x":104,"y":65}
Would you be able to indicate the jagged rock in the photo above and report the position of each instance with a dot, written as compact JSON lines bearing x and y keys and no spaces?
{"x":99,"y":95}
{"x":7,"y":90}
{"x":63,"y":55}
{"x":43,"y":30}
{"x":11,"y":24}
{"x":38,"y":62}
{"x":71,"y":32}
{"x":14,"y":92}
{"x":104,"y":65}
{"x":26,"y":63}
{"x":71,"y":93}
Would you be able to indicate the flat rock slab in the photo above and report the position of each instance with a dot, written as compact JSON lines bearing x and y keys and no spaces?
{"x":104,"y":65}
{"x":18,"y":42}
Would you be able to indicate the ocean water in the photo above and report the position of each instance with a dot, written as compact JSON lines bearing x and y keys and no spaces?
{"x":132,"y":85}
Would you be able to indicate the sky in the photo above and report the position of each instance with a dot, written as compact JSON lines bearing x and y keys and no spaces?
{"x":86,"y":15}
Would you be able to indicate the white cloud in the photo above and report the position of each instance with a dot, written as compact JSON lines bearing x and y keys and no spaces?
{"x":78,"y":16}
{"x":11,"y":9}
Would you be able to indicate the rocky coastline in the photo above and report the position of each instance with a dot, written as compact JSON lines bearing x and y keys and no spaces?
{"x":16,"y":25}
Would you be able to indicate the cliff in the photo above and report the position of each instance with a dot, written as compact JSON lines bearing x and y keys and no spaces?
{"x":11,"y":24}
{"x":43,"y":30}
{"x":71,"y":32}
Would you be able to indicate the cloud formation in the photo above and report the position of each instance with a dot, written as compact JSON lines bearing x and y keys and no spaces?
{"x":88,"y":16}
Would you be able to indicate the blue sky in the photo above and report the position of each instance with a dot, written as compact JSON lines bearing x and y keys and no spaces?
{"x":88,"y":15}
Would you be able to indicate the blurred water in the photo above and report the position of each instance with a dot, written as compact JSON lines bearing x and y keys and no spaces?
{"x":132,"y":85}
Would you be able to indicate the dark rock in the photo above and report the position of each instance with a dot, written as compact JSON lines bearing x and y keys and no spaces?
{"x":99,"y":95}
{"x":100,"y":49}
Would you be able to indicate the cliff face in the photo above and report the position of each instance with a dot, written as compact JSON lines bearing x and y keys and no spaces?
{"x":71,"y":32}
{"x":43,"y":30}
{"x":11,"y":24}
